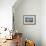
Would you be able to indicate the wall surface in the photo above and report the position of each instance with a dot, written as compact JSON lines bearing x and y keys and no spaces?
{"x":28,"y":7}
{"x":43,"y":22}
{"x":6,"y":13}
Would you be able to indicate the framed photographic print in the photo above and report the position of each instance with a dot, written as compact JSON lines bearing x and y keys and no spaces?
{"x":29,"y":19}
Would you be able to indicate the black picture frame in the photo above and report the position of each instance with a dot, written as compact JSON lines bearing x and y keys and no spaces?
{"x":29,"y":19}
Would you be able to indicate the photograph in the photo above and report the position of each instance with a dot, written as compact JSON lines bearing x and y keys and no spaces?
{"x":29,"y":19}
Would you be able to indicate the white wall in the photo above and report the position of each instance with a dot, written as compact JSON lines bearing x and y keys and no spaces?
{"x":28,"y":7}
{"x":6,"y":13}
{"x":33,"y":30}
{"x":43,"y":22}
